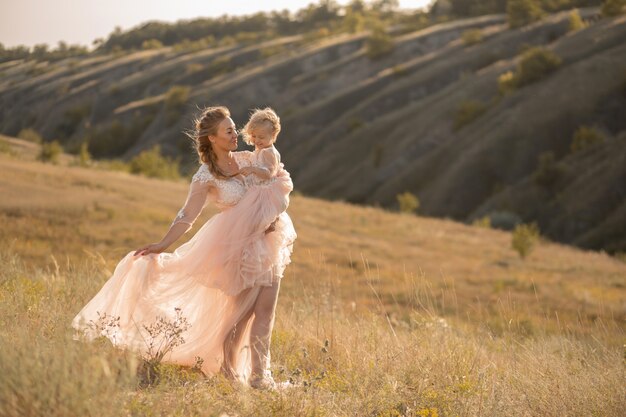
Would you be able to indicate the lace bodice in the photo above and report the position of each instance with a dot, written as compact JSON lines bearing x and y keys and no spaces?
{"x":224,"y":193}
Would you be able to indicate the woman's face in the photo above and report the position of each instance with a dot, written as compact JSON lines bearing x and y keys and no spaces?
{"x":226,"y":137}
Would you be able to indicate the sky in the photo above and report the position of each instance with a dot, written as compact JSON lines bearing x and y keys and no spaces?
{"x":29,"y":22}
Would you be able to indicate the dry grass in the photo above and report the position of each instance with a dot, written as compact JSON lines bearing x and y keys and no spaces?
{"x":423,"y":316}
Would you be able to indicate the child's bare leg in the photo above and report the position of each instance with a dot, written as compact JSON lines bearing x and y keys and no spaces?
{"x":262,"y":326}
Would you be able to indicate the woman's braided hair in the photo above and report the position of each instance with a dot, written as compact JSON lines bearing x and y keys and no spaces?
{"x":204,"y":125}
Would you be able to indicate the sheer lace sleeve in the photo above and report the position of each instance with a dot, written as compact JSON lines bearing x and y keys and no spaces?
{"x":269,"y":158}
{"x":200,"y":187}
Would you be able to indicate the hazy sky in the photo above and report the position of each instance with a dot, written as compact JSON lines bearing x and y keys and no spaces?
{"x":28,"y":22}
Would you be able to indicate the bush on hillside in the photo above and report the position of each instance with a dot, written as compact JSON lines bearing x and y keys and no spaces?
{"x":50,"y":152}
{"x":378,"y":44}
{"x":30,"y":135}
{"x":472,"y":36}
{"x":72,"y":118}
{"x":575,"y":21}
{"x":613,"y":7}
{"x":408,"y":202}
{"x":484,"y":222}
{"x":522,"y":12}
{"x":175,"y":99}
{"x":467,"y":112}
{"x":152,"y":164}
{"x":535,"y":64}
{"x":151,"y":44}
{"x":548,"y":171}
{"x":584,"y":137}
{"x":524,"y":238}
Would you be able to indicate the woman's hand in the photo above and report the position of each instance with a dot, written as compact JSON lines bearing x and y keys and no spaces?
{"x":151,"y":248}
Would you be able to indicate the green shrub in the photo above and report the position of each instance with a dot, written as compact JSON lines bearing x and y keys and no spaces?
{"x":467,"y":112}
{"x":355,"y":123}
{"x":50,"y":152}
{"x":484,"y":221}
{"x":575,"y":21}
{"x":408,"y":202}
{"x":613,"y":7}
{"x":220,"y":65}
{"x":30,"y":135}
{"x":175,"y":99}
{"x":522,"y":12}
{"x":6,"y":148}
{"x":506,"y":83}
{"x":548,"y":171}
{"x":72,"y":119}
{"x":472,"y":36}
{"x":523,"y":238}
{"x":84,"y":157}
{"x":152,"y":164}
{"x":585,"y":137}
{"x":152,"y":44}
{"x":378,"y":44}
{"x":535,"y":64}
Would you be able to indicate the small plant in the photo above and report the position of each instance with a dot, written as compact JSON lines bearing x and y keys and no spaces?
{"x":522,"y":12}
{"x":152,"y":164}
{"x":484,"y":222}
{"x":472,"y":37}
{"x":50,"y":152}
{"x":535,"y":64}
{"x":408,"y":202}
{"x":548,"y":171}
{"x":164,"y":336}
{"x":30,"y":135}
{"x":355,"y":123}
{"x":467,"y":112}
{"x":152,"y":44}
{"x":524,"y":238}
{"x":585,"y":137}
{"x":379,"y":43}
{"x":613,"y":7}
{"x":84,"y":157}
{"x":575,"y":21}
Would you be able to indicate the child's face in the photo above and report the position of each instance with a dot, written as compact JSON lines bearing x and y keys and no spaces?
{"x":262,"y":136}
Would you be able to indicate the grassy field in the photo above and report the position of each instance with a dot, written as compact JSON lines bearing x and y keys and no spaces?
{"x":379,"y":313}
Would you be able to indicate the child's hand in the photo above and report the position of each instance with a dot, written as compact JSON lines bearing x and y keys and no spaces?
{"x":246,"y":170}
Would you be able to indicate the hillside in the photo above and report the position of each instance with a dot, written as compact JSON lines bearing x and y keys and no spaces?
{"x":363,"y":130}
{"x":379,"y":313}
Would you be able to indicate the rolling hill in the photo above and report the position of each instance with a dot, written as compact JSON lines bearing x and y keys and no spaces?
{"x":363,"y":129}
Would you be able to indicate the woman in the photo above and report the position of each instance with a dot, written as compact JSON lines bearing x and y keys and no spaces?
{"x":223,"y":282}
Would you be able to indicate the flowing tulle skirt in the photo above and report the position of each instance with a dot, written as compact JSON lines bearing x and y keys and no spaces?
{"x":212,"y":282}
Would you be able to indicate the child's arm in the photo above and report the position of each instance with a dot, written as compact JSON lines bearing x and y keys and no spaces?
{"x":269,"y":161}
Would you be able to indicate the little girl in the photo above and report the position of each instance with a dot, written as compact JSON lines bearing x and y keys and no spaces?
{"x":262,"y":131}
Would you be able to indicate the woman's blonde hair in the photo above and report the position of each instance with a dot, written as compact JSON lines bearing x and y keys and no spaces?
{"x":206,"y":124}
{"x":258,"y":117}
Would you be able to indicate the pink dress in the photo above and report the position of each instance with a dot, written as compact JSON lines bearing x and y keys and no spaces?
{"x":212,"y":280}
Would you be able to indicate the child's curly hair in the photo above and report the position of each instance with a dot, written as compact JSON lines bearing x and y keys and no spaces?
{"x":258,"y":117}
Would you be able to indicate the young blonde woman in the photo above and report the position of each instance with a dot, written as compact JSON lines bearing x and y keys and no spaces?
{"x":224,"y":281}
